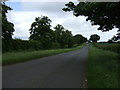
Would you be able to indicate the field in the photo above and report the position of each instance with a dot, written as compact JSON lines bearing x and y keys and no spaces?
{"x":15,"y":57}
{"x":109,"y":46}
{"x":103,"y":66}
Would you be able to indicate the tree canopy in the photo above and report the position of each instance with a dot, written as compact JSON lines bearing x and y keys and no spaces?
{"x":79,"y":39}
{"x":104,"y":14}
{"x":7,"y":27}
{"x":115,"y":37}
{"x":59,"y":37}
{"x":94,"y":38}
{"x":40,"y":30}
{"x":63,"y":36}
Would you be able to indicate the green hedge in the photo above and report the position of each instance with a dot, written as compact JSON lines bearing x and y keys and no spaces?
{"x":25,"y":45}
{"x":17,"y":44}
{"x":21,"y":45}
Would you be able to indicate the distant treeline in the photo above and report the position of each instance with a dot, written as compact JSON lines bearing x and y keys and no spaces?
{"x":20,"y":45}
{"x":42,"y":37}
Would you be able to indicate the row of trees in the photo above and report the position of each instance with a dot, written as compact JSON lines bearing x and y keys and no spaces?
{"x":41,"y":31}
{"x":41,"y":35}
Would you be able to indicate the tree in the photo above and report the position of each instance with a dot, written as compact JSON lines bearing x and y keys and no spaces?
{"x":67,"y":39}
{"x":63,"y":37}
{"x":94,"y":38}
{"x":109,"y":41}
{"x":118,"y":36}
{"x":104,"y":14}
{"x":115,"y":38}
{"x":58,"y":33}
{"x":40,"y":30}
{"x":7,"y":27}
{"x":79,"y":39}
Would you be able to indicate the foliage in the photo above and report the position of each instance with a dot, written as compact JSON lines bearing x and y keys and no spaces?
{"x":115,"y":37}
{"x":62,"y":39}
{"x":40,"y":28}
{"x":94,"y":38}
{"x":118,"y":36}
{"x":42,"y":37}
{"x":105,"y":14}
{"x":40,"y":31}
{"x":79,"y":39}
{"x":63,"y":36}
{"x":18,"y":45}
{"x":59,"y":29}
{"x":7,"y":27}
{"x":59,"y":38}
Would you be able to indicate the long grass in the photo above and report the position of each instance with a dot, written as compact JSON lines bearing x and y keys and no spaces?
{"x":15,"y":57}
{"x":102,"y":68}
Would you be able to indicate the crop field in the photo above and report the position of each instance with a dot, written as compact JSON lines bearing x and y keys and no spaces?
{"x":109,"y":46}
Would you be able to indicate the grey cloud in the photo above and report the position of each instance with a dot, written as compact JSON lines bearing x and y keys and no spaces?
{"x":79,"y":24}
{"x":51,"y":7}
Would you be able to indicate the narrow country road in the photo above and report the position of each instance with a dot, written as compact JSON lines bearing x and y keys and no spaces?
{"x":66,"y":70}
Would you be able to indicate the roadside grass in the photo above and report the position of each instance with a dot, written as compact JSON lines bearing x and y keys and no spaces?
{"x":102,"y":68}
{"x":15,"y":57}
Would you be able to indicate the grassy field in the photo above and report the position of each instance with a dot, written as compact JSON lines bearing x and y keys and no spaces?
{"x":102,"y":68}
{"x":15,"y":57}
{"x":109,"y":46}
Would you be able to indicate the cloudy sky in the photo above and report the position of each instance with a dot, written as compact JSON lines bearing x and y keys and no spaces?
{"x":24,"y":13}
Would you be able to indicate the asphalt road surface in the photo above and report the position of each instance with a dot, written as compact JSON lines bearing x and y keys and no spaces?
{"x":66,"y":70}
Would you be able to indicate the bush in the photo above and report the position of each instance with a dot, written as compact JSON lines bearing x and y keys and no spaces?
{"x":25,"y":45}
{"x":17,"y":45}
{"x":35,"y":45}
{"x":55,"y":45}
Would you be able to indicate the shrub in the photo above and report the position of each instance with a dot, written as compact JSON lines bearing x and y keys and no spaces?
{"x":17,"y":44}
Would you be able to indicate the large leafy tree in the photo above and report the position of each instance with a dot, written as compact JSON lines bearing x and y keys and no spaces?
{"x":40,"y":30}
{"x":59,"y":29}
{"x":63,"y":37}
{"x":67,"y":39}
{"x":7,"y":27}
{"x":104,"y":14}
{"x":79,"y":39}
{"x":94,"y":38}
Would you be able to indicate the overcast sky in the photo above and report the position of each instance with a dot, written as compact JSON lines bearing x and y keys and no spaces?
{"x":24,"y":13}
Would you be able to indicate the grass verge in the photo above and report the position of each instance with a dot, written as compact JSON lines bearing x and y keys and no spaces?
{"x":102,"y":69}
{"x":15,"y":57}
